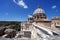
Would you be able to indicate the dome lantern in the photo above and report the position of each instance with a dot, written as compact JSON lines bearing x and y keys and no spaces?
{"x":38,"y":6}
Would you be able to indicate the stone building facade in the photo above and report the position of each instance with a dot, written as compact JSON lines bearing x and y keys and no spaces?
{"x":40,"y":18}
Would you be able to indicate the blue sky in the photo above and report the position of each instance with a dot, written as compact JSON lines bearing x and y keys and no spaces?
{"x":18,"y":10}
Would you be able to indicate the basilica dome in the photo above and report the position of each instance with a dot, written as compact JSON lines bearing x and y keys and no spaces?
{"x":38,"y":10}
{"x":39,"y":13}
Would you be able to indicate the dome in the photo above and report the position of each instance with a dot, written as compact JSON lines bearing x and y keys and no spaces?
{"x":39,"y":13}
{"x":30,"y":16}
{"x":55,"y":18}
{"x":38,"y":10}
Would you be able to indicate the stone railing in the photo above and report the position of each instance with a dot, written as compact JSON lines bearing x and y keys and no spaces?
{"x":51,"y":38}
{"x":25,"y":39}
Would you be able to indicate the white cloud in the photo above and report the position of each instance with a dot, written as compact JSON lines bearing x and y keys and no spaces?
{"x":54,"y":6}
{"x":21,"y":3}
